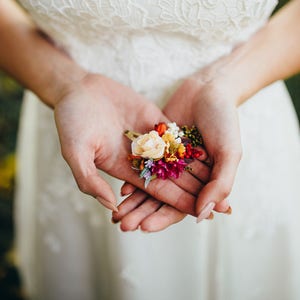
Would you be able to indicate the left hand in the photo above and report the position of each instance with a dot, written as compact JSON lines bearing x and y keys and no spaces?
{"x":212,"y":109}
{"x":211,"y":105}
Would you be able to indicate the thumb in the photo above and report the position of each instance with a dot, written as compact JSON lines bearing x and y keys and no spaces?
{"x":89,"y":180}
{"x":218,"y":188}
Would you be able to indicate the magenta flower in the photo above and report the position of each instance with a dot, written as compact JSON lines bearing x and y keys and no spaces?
{"x":164,"y":169}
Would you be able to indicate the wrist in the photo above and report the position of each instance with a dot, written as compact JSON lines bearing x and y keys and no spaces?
{"x":31,"y":58}
{"x":244,"y":73}
{"x":233,"y":76}
{"x":241,"y":74}
{"x":62,"y":81}
{"x":269,"y":55}
{"x":221,"y":79}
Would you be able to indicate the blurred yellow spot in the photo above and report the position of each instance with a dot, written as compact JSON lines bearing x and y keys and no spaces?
{"x":7,"y":171}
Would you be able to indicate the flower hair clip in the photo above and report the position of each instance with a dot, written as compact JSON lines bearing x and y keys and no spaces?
{"x":165,"y":151}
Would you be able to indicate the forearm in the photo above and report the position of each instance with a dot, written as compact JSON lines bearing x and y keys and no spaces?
{"x":31,"y":59}
{"x":273,"y":53}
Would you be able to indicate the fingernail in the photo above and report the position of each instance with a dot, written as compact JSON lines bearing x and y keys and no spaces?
{"x":228,"y":211}
{"x":114,"y":221}
{"x":143,"y":230}
{"x":205,"y":211}
{"x":122,"y":193}
{"x":107,"y":204}
{"x":211,"y":216}
{"x":203,"y":155}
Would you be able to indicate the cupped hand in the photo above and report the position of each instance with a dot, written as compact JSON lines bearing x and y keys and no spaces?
{"x":91,"y":118}
{"x":211,"y":108}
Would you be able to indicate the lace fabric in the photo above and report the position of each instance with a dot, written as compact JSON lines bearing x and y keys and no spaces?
{"x":206,"y":20}
{"x":181,"y":35}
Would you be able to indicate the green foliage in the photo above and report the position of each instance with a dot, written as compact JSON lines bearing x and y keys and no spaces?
{"x":10,"y":100}
{"x":293,"y":85}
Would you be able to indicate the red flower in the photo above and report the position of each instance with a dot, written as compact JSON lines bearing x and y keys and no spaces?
{"x":160,"y":128}
{"x":191,"y":152}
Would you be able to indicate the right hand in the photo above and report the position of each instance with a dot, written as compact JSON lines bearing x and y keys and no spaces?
{"x":91,"y":118}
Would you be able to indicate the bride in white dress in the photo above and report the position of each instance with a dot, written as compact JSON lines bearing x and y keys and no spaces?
{"x":67,"y":246}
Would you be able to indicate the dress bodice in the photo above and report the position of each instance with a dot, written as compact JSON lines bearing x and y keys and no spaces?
{"x":130,"y":40}
{"x":206,"y":20}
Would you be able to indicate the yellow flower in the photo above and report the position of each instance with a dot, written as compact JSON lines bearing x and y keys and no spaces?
{"x":168,"y":137}
{"x":181,"y":150}
{"x":170,"y":157}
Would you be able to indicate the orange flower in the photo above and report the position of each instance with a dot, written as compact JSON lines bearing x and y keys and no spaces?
{"x":160,"y":128}
{"x":142,"y":165}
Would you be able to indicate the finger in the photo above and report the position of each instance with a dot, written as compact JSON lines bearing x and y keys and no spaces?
{"x":219,"y":186}
{"x":203,"y":156}
{"x":88,"y":179}
{"x":129,"y":204}
{"x":161,"y":219}
{"x":199,"y":170}
{"x":189,"y":183}
{"x":166,"y":190}
{"x":133,"y":219}
{"x":127,"y":188}
{"x":223,"y":207}
{"x":169,"y":193}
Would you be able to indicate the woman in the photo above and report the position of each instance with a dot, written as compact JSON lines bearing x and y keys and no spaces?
{"x":147,"y":49}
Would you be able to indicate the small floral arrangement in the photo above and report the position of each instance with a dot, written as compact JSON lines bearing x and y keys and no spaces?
{"x":165,"y":151}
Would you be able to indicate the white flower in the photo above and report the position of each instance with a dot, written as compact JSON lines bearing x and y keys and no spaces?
{"x":149,"y":145}
{"x":178,"y":140}
{"x":175,"y":131}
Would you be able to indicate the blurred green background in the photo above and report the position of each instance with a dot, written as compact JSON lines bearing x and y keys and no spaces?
{"x":10,"y":102}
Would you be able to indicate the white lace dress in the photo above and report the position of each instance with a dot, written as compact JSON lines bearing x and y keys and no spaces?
{"x":67,"y":247}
